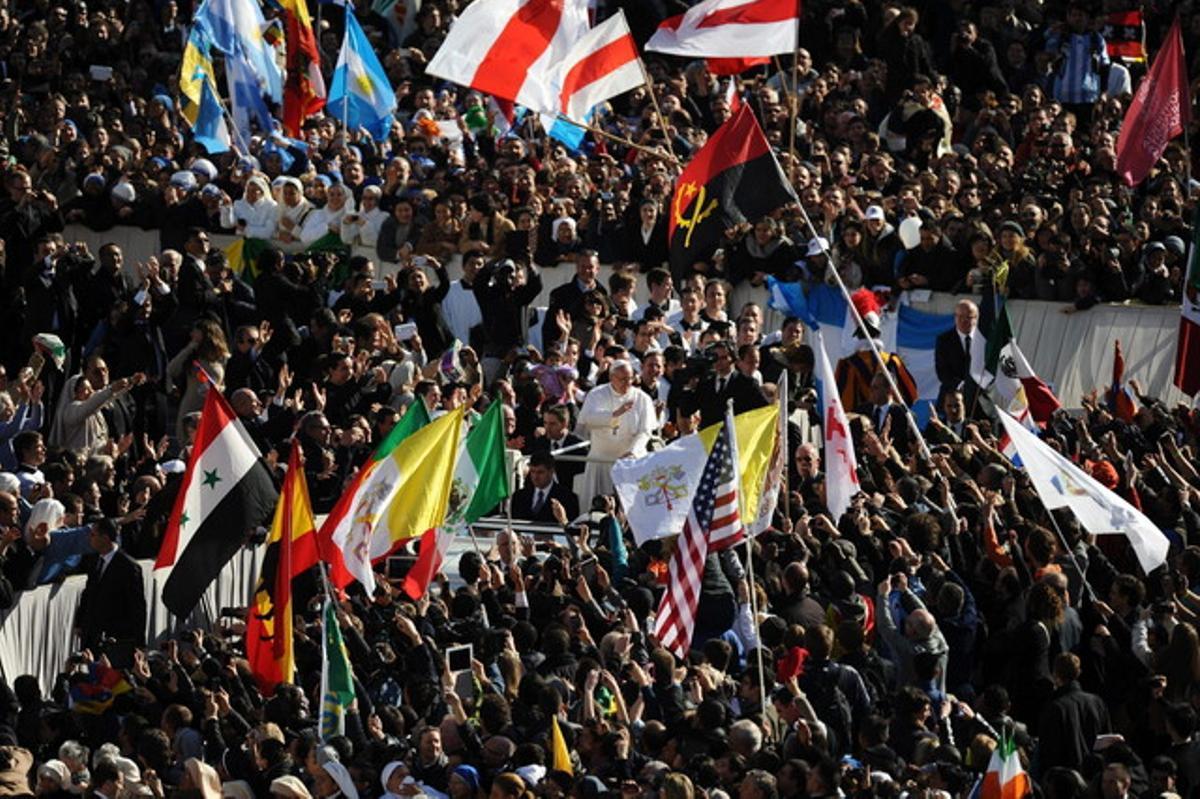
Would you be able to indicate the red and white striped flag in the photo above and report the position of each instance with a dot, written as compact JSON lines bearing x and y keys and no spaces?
{"x":601,"y":65}
{"x":510,"y":48}
{"x":730,"y":29}
{"x":715,"y":514}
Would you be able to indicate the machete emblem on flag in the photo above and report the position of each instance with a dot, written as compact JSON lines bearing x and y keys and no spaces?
{"x":683,"y":198}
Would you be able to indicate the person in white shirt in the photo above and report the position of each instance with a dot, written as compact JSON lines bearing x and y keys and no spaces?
{"x":688,"y":322}
{"x":619,"y":421}
{"x":327,"y":221}
{"x":460,"y":307}
{"x":256,"y":214}
{"x":363,"y":227}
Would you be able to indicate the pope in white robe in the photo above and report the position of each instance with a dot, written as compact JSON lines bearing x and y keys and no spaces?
{"x":618,"y":419}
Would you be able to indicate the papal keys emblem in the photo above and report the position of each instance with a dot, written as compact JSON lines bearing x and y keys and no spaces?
{"x":663,"y":486}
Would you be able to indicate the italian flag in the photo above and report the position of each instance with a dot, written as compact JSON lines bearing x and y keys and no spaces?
{"x":1187,"y":357}
{"x":480,"y":483}
{"x":227,"y":493}
{"x":1005,"y":779}
{"x":1017,"y":387}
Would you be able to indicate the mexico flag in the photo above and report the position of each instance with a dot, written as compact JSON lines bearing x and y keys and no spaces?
{"x":480,"y":482}
{"x":734,"y":178}
{"x":1017,"y":387}
{"x":1187,"y":357}
{"x":227,"y":492}
{"x":1005,"y":779}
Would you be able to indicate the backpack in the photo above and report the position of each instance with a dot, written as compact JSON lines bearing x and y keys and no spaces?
{"x":832,"y":708}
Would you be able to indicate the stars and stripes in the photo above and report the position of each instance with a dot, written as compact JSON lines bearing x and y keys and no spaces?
{"x":714,"y":516}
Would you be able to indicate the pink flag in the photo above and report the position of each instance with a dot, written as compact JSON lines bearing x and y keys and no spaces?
{"x":1160,"y":111}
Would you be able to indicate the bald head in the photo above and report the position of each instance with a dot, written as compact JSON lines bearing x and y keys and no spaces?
{"x":919,"y":625}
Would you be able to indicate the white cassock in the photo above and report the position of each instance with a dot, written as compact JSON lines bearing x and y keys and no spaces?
{"x":612,"y":436}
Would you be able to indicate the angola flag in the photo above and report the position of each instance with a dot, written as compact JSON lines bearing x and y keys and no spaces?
{"x":734,"y":178}
{"x":291,"y":550}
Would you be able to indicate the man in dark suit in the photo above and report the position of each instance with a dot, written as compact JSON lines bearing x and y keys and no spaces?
{"x":1070,"y":722}
{"x":728,"y":383}
{"x":533,"y":501}
{"x":959,"y":352}
{"x":569,"y":296}
{"x":556,"y":421}
{"x":881,"y":409}
{"x":113,"y":605}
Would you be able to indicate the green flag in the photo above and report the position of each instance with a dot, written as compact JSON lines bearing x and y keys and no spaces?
{"x":337,"y":682}
{"x":484,"y":464}
{"x":998,"y":338}
{"x":413,"y":420}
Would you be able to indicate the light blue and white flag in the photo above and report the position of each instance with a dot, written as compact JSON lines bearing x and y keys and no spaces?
{"x":361,"y":91}
{"x":908,"y":332}
{"x":234,"y":24}
{"x":246,"y":102}
{"x":210,"y":129}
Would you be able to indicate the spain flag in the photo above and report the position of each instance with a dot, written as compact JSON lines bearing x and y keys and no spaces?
{"x":291,"y":550}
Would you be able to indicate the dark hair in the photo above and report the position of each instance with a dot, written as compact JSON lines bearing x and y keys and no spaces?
{"x":542,"y":458}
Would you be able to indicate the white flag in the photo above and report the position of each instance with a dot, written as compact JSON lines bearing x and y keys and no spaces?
{"x":1062,"y":484}
{"x":841,"y":475}
{"x":656,"y":490}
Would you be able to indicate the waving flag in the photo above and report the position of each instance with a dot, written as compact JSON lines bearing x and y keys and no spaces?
{"x":1018,"y":388}
{"x":291,"y":550}
{"x":304,"y":92}
{"x":601,"y":65}
{"x":734,"y":178}
{"x":740,"y":29}
{"x":714,"y":513}
{"x":1187,"y":355}
{"x":1160,"y":111}
{"x":360,"y":89}
{"x":195,"y":71}
{"x":246,"y":102}
{"x":1121,"y":399}
{"x":337,"y":680}
{"x":1062,"y":484}
{"x":656,"y":489}
{"x":1005,"y":779}
{"x":237,"y":28}
{"x":841,"y":474}
{"x":406,"y":493}
{"x":510,"y":48}
{"x":226,"y":494}
{"x":480,"y":483}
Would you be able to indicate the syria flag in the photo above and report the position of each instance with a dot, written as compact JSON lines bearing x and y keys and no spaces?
{"x":227,"y":493}
{"x":734,"y":178}
{"x":730,"y":29}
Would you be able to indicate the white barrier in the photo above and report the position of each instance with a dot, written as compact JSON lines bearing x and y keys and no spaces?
{"x":37,"y":635}
{"x":1072,"y":352}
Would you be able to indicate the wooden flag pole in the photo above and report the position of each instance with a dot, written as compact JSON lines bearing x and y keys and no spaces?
{"x":662,"y":122}
{"x":621,"y":140}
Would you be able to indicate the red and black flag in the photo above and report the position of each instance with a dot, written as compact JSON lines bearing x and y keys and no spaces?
{"x":291,"y":550}
{"x":734,"y":178}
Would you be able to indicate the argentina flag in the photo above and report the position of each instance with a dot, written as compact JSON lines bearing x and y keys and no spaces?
{"x":360,"y":92}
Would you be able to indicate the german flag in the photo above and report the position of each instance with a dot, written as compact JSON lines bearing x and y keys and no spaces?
{"x":734,"y":178}
{"x":291,"y":550}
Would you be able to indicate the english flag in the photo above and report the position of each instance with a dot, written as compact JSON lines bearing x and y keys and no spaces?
{"x":730,"y":29}
{"x":841,"y":474}
{"x":1160,"y":111}
{"x":601,"y":65}
{"x":510,"y":48}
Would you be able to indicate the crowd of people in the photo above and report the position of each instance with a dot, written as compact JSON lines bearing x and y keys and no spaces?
{"x":886,"y":652}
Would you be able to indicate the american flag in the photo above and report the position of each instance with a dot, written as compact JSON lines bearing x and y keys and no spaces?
{"x":714,"y":516}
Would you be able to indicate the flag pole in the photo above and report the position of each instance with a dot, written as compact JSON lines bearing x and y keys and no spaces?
{"x":793,"y":101}
{"x":784,"y":413}
{"x":762,"y":683}
{"x":860,"y":325}
{"x":620,"y":139}
{"x":662,"y":122}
